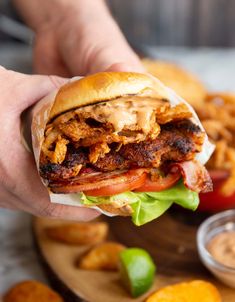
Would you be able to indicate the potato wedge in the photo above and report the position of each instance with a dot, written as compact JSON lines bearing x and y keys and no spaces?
{"x":194,"y":291}
{"x":31,"y":291}
{"x":104,"y":256}
{"x":80,"y":233}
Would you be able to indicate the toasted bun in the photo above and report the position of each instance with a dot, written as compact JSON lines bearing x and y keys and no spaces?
{"x":105,"y":86}
{"x":183,"y":82}
{"x":122,"y":211}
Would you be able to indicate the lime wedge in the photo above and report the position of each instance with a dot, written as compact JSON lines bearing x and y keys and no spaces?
{"x":137,"y":270}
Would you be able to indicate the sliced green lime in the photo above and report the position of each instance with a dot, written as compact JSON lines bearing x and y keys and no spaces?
{"x":137,"y":270}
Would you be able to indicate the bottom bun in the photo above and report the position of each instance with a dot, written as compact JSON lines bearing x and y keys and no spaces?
{"x":125,"y":210}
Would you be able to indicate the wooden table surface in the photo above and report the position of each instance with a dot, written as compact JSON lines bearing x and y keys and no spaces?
{"x":171,"y":241}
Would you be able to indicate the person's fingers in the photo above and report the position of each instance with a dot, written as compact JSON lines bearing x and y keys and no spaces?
{"x":66,"y":212}
{"x":89,"y":47}
{"x":28,"y":88}
{"x":110,"y":57}
{"x":45,"y":208}
{"x":21,"y":187}
{"x":46,"y":58}
{"x":9,"y":206}
{"x":36,"y":87}
{"x":102,"y":56}
{"x":122,"y":66}
{"x":36,"y":200}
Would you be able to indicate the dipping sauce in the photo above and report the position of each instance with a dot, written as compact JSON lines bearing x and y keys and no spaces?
{"x":222,"y":248}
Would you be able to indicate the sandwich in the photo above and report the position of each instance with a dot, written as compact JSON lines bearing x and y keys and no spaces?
{"x":122,"y":143}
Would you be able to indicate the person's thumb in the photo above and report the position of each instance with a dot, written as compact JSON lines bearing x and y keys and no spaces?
{"x":37,"y":86}
{"x":27,"y":89}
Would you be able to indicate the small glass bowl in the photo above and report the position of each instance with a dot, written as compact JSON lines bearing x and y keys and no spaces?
{"x":219,"y":223}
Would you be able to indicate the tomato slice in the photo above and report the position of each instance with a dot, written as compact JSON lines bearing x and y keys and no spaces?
{"x":98,"y":180}
{"x":133,"y":181}
{"x":161,"y":184}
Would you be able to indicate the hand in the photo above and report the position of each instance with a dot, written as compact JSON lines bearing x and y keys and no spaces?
{"x":76,"y":38}
{"x":20,"y":185}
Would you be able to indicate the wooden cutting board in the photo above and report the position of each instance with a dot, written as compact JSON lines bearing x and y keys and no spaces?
{"x":170,"y":240}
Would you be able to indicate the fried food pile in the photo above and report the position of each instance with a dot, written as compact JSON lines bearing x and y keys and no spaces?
{"x":126,"y":133}
{"x":218,"y":118}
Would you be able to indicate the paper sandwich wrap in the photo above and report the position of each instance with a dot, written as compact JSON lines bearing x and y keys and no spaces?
{"x":40,"y":118}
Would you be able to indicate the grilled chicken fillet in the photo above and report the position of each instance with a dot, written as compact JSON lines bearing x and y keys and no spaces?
{"x":177,"y":141}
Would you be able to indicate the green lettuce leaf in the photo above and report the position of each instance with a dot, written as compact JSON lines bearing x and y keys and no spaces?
{"x":150,"y":205}
{"x":148,"y":208}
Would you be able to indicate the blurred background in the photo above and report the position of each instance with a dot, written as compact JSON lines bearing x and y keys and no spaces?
{"x":189,"y":32}
{"x":196,"y":34}
{"x":159,"y":22}
{"x":177,"y":22}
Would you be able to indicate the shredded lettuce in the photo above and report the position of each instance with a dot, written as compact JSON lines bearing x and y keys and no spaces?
{"x":150,"y":205}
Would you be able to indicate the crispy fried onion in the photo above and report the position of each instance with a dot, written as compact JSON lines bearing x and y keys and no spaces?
{"x":58,"y":155}
{"x":78,"y":128}
{"x":179,"y":112}
{"x":98,"y":151}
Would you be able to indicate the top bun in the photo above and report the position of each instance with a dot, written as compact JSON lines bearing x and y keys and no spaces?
{"x":105,"y":86}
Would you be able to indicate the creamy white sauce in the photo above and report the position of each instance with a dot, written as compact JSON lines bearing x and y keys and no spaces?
{"x":222,"y":248}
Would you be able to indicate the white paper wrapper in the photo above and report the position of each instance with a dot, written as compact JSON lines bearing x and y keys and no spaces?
{"x":40,"y":116}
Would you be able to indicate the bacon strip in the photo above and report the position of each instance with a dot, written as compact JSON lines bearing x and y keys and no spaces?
{"x":195,"y":176}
